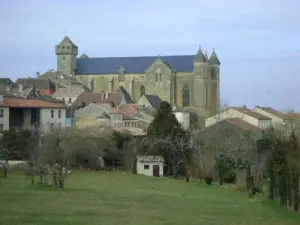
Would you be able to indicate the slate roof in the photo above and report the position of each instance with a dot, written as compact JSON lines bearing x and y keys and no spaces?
{"x":84,"y":56}
{"x":67,"y":42}
{"x":200,"y":57}
{"x":5,"y":80}
{"x":154,"y":100}
{"x":127,"y":96}
{"x":39,"y":83}
{"x":111,"y":65}
{"x":214,"y":59}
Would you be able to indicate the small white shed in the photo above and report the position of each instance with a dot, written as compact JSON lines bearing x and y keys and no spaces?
{"x":150,"y":165}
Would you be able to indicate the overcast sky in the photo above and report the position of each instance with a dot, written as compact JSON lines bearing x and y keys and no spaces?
{"x":258,"y":42}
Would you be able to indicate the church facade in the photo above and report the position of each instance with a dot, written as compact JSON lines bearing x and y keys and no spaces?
{"x":188,"y":81}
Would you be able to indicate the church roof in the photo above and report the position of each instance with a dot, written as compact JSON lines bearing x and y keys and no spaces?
{"x":110,"y":65}
{"x":154,"y":100}
{"x":67,"y":42}
{"x":84,"y":56}
{"x":214,"y":59}
{"x":200,"y":57}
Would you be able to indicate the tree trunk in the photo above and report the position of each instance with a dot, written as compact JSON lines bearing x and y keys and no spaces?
{"x":174,"y":170}
{"x":61,"y":184}
{"x":296,"y":184}
{"x":4,"y":172}
{"x":187,"y":178}
{"x":221,"y":181}
{"x":240,"y":178}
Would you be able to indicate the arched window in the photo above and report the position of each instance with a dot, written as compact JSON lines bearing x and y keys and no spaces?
{"x":156,"y":77}
{"x":185,"y":96}
{"x":142,"y":90}
{"x":160,"y":77}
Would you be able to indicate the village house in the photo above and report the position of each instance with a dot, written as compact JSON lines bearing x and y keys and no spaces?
{"x":5,"y":84}
{"x":286,"y":122}
{"x":114,"y":98}
{"x":17,"y":112}
{"x":44,"y":86}
{"x":68,"y":94}
{"x":243,"y":113}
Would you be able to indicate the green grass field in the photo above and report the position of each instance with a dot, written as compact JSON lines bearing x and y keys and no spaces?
{"x":93,"y":198}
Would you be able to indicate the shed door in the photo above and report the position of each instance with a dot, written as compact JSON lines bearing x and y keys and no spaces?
{"x":156,"y":170}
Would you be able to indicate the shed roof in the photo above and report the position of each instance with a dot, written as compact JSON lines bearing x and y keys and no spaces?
{"x":147,"y":158}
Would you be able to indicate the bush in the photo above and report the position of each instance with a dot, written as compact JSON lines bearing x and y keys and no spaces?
{"x":230,"y":177}
{"x":208,"y":180}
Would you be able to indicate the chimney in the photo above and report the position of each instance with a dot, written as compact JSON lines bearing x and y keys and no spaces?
{"x":20,"y":88}
{"x":37,"y":74}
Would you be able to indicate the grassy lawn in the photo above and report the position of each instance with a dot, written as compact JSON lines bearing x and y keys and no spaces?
{"x":117,"y":198}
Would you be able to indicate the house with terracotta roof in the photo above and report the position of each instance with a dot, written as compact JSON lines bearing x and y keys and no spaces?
{"x":17,"y":112}
{"x":96,"y":114}
{"x":243,"y":113}
{"x":68,"y":94}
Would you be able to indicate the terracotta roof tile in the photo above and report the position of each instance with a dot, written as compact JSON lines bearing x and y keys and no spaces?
{"x":29,"y":103}
{"x":128,"y":109}
{"x":87,"y":98}
{"x":272,"y":111}
{"x":244,"y":125}
{"x":251,"y":113}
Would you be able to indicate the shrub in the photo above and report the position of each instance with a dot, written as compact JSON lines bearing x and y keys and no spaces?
{"x":230,"y":177}
{"x":208,"y":180}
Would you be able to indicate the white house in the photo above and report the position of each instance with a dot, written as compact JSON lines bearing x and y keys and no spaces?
{"x":150,"y":165}
{"x":243,"y":113}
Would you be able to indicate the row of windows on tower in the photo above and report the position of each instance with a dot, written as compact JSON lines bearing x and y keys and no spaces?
{"x":63,"y":47}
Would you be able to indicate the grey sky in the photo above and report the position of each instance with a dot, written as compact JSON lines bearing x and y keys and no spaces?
{"x":256,"y":41}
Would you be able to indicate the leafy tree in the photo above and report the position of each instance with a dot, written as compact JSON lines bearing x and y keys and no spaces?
{"x":125,"y":149}
{"x":164,"y":130}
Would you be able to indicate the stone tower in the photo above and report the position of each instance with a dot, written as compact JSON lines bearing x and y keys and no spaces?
{"x":66,"y":52}
{"x":215,"y":83}
{"x":201,"y":84}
